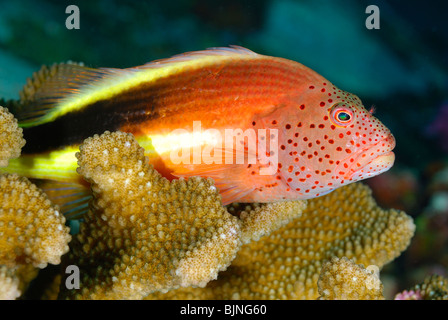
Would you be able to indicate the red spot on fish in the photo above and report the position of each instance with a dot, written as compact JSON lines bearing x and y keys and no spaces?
{"x":322,"y":103}
{"x":302,"y":107}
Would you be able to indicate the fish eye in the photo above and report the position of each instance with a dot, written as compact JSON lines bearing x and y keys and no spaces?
{"x":341,"y":115}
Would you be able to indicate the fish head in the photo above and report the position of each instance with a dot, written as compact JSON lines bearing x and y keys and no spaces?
{"x":335,"y":141}
{"x":365,"y":141}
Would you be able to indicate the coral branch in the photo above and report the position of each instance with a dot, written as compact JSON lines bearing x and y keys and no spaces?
{"x":32,"y":231}
{"x":144,"y":233}
{"x":11,"y":138}
{"x":342,"y":279}
{"x":286,"y":264}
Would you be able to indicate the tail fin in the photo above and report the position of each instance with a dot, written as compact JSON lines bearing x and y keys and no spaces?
{"x":41,"y":99}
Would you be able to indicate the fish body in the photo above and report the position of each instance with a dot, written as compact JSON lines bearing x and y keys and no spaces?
{"x":303,"y":137}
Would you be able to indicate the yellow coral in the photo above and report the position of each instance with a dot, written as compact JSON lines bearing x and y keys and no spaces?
{"x":32,"y":231}
{"x":11,"y":138}
{"x":261,"y":219}
{"x":342,"y":279}
{"x":144,"y":233}
{"x":286,"y":264}
{"x":9,"y":284}
{"x":15,"y":280}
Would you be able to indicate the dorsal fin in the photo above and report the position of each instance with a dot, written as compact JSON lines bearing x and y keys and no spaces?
{"x":196,"y":55}
{"x":62,"y":88}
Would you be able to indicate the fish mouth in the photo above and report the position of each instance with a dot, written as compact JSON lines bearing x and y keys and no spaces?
{"x":373,"y":160}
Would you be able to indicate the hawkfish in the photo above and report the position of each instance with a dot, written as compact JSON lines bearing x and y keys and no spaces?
{"x":296,"y":135}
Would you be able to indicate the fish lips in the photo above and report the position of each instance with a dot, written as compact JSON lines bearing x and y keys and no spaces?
{"x":373,"y":160}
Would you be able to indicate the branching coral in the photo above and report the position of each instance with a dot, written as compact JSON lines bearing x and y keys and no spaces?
{"x":31,"y":230}
{"x":342,"y":279}
{"x":144,"y":233}
{"x":261,"y":219}
{"x":286,"y":264}
{"x":9,"y":284}
{"x":434,"y":287}
{"x":11,"y":138}
{"x":15,"y":280}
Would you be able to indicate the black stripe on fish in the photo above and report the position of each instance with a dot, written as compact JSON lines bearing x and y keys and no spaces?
{"x":131,"y":107}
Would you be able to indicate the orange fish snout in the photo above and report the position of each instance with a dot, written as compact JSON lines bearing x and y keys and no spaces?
{"x":372,"y":160}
